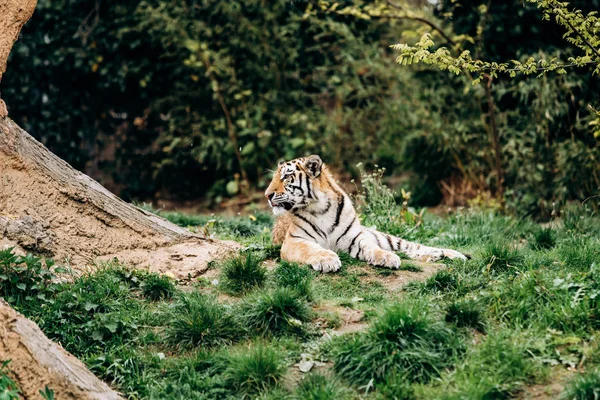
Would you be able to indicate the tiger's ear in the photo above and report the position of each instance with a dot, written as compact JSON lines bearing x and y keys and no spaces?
{"x":313,"y":165}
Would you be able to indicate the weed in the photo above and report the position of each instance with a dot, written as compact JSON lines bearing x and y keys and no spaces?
{"x":277,"y":312}
{"x":157,"y":287}
{"x":295,"y":277}
{"x":319,"y":387}
{"x":465,"y":314}
{"x":47,"y":393}
{"x":197,"y":319}
{"x":253,"y":369}
{"x":242,"y":274}
{"x":585,"y":386}
{"x":404,"y":340}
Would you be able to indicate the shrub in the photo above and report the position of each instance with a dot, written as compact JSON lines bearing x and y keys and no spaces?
{"x":157,"y":287}
{"x":281,"y":311}
{"x":254,"y":369}
{"x":242,"y":274}
{"x":585,"y":386}
{"x":404,"y":339}
{"x":197,"y":319}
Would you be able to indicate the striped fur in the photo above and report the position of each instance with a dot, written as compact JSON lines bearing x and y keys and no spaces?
{"x":316,"y":219}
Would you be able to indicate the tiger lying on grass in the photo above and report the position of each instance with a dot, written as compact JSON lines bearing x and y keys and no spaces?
{"x":316,"y":219}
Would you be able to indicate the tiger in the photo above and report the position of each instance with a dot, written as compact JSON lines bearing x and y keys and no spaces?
{"x":315,"y":219}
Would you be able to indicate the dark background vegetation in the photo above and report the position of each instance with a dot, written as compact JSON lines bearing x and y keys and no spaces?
{"x":137,"y":95}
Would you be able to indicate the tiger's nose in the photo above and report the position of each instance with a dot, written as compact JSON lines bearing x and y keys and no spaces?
{"x":269,"y":195}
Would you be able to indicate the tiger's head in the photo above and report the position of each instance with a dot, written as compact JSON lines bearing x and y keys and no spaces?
{"x":295,"y":185}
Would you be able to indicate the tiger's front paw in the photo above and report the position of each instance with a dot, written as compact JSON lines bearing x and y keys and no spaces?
{"x":384,"y":258}
{"x":325,"y":261}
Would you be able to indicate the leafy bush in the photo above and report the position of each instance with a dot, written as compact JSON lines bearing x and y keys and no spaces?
{"x":197,"y":319}
{"x":405,"y":340}
{"x":243,"y":273}
{"x":276,"y":312}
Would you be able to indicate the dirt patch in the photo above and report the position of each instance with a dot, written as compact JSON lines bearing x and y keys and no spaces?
{"x":395,"y":280}
{"x":351,"y":319}
{"x":552,"y":389}
{"x":50,"y":209}
{"x":37,"y":362}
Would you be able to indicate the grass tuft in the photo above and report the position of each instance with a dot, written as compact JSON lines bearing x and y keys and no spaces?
{"x":320,"y":387}
{"x":585,"y":386}
{"x":277,"y":312}
{"x":295,"y":277}
{"x":404,"y":340}
{"x":543,"y":239}
{"x":242,"y":274}
{"x":501,"y":257}
{"x":158,"y":287}
{"x":197,"y":319}
{"x":465,"y":314}
{"x":254,"y":369}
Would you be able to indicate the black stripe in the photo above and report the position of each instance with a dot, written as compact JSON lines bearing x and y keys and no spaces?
{"x":305,"y":231}
{"x":315,"y":228}
{"x":337,"y":215}
{"x":389,"y":239}
{"x":360,"y":249}
{"x":297,"y":237}
{"x":308,"y":188}
{"x":297,"y":187}
{"x":352,"y":243}
{"x":376,"y":238}
{"x":346,"y":230}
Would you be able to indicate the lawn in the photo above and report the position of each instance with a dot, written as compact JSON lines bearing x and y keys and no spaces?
{"x":520,"y":319}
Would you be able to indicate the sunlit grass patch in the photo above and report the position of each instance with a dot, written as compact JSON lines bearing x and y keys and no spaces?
{"x":296,"y":277}
{"x":243,"y":273}
{"x":404,"y":339}
{"x":197,"y":319}
{"x":276,"y":312}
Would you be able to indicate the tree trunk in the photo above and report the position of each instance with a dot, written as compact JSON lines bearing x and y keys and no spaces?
{"x":36,"y":362}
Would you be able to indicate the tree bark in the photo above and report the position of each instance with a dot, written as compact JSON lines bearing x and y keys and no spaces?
{"x":36,"y":362}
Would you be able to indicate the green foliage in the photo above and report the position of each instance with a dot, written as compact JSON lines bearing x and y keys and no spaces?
{"x":465,"y":314}
{"x":157,"y":287}
{"x":543,"y":238}
{"x":243,"y":273}
{"x":25,"y":280}
{"x":295,"y":277}
{"x":500,"y":256}
{"x":276,"y":312}
{"x":8,"y":387}
{"x":585,"y":386}
{"x":404,"y":339}
{"x":254,"y":369}
{"x":197,"y":319}
{"x":320,"y":387}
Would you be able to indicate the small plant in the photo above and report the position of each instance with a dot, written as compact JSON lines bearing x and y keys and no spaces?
{"x":543,"y":239}
{"x":8,"y":388}
{"x":295,"y":277}
{"x":25,"y":280}
{"x":254,"y":369}
{"x":243,"y":273}
{"x":443,"y":281}
{"x":157,"y":287}
{"x":585,"y":386}
{"x":465,"y":314}
{"x":197,"y":319}
{"x":47,"y":393}
{"x":319,"y":387}
{"x":403,"y":340}
{"x":281,"y":311}
{"x":501,"y":257}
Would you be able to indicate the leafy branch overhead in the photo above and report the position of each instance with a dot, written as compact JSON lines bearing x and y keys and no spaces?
{"x":582,"y":31}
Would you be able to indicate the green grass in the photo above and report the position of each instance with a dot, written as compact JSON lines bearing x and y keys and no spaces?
{"x":584,"y":387}
{"x":8,"y":387}
{"x":242,"y":274}
{"x":525,"y":306}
